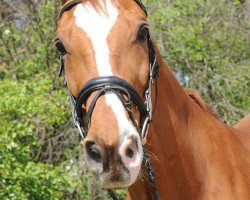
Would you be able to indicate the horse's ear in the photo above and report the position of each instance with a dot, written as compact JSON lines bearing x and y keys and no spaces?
{"x":63,"y":1}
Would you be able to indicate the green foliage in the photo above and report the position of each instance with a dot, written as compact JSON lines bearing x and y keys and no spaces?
{"x":33,"y":107}
{"x":28,"y":43}
{"x":37,"y":181}
{"x":207,"y":43}
{"x":25,"y":105}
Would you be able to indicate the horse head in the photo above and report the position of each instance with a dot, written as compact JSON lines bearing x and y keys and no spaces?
{"x":105,"y":50}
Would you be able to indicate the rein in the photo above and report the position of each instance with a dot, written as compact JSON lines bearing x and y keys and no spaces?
{"x":121,"y":88}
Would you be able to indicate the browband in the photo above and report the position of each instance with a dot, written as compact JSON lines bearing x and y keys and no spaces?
{"x":70,"y":4}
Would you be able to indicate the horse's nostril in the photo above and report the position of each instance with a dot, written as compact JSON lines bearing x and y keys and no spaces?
{"x":129,"y":153}
{"x":93,"y":151}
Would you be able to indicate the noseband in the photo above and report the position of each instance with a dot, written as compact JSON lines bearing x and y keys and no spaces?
{"x":125,"y":93}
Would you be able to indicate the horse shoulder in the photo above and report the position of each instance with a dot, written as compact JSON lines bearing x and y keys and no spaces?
{"x":244,"y":125}
{"x":242,"y":130}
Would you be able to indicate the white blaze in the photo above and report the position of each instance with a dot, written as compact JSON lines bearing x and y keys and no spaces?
{"x":98,"y":26}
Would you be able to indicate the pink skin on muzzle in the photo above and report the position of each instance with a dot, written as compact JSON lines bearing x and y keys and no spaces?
{"x":130,"y":155}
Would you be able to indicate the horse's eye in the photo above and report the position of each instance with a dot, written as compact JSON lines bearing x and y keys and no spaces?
{"x":142,"y":34}
{"x":60,"y":47}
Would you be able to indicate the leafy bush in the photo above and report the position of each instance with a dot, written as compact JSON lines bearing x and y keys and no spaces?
{"x":34,"y":114}
{"x":27,"y":41}
{"x":207,"y":43}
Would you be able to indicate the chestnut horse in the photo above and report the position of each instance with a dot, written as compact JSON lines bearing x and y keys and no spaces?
{"x":194,"y":154}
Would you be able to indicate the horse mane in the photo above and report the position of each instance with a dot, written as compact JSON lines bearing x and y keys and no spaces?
{"x":195,"y":96}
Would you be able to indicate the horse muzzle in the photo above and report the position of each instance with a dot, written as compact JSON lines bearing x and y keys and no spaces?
{"x":115,"y":167}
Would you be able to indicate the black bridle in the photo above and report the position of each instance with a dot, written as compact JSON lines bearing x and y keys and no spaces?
{"x":112,"y":84}
{"x":123,"y":90}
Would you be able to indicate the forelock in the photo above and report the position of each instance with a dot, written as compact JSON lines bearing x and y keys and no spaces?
{"x":97,"y":4}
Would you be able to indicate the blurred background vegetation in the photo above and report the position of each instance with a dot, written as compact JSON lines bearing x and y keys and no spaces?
{"x":206,"y":42}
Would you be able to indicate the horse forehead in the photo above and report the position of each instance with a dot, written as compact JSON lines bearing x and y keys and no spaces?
{"x":97,"y":26}
{"x":92,"y":17}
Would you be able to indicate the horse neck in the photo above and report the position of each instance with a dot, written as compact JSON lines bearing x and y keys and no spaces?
{"x":169,"y":139}
{"x":181,"y":143}
{"x":167,"y":143}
